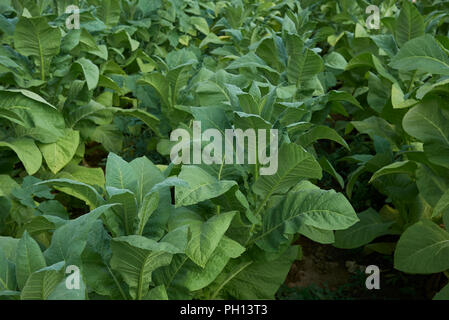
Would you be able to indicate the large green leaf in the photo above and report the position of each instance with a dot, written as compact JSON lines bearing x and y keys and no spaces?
{"x":135,"y":258}
{"x":326,"y":210}
{"x":35,"y":37}
{"x":428,"y":122}
{"x":410,"y":24}
{"x":120,"y":174}
{"x":90,"y":71}
{"x":61,"y":292}
{"x":69,"y":241}
{"x":423,"y":248}
{"x":42,"y":282}
{"x":126,"y":209}
{"x":26,"y":151}
{"x":160,"y":84}
{"x":78,"y":190}
{"x":303,"y":66}
{"x":202,"y":186}
{"x":97,"y":272}
{"x":363,"y":232}
{"x":108,"y":11}
{"x":9,"y":246}
{"x":36,"y":117}
{"x":29,"y":258}
{"x":295,"y":164}
{"x":376,"y":126}
{"x":58,"y":154}
{"x":321,"y":132}
{"x":149,"y":205}
{"x":407,"y":167}
{"x":7,"y":273}
{"x":249,"y":279}
{"x":148,"y":175}
{"x":184,"y":275}
{"x":206,"y":237}
{"x":150,"y":120}
{"x":423,"y":54}
{"x":442,"y":205}
{"x":92,"y":176}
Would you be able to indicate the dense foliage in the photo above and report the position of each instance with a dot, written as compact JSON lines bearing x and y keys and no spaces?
{"x":86,"y":115}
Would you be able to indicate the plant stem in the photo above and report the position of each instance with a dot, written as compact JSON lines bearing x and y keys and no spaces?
{"x":412,"y":81}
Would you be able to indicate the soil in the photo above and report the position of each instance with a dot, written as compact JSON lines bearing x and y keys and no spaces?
{"x":325,"y":272}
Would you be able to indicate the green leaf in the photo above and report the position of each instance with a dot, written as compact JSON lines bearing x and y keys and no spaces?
{"x":92,"y":176}
{"x":157,"y":293}
{"x":109,"y":11}
{"x":57,"y":155}
{"x":78,"y":190}
{"x":42,"y":282}
{"x":90,"y":71}
{"x":336,"y":61}
{"x":29,"y":258}
{"x":200,"y":24}
{"x":60,"y":292}
{"x":431,"y":185}
{"x":149,"y":205}
{"x":148,"y":175}
{"x":160,"y":84}
{"x":423,"y":248}
{"x":443,"y":294}
{"x":398,"y":100}
{"x":423,"y":54}
{"x":7,"y":273}
{"x":250,"y":60}
{"x":38,"y":118}
{"x":150,"y":120}
{"x":135,"y":258}
{"x":36,"y":38}
{"x":344,"y":96}
{"x":296,"y":164}
{"x":363,"y":232}
{"x":69,"y":241}
{"x":428,"y":122}
{"x":327,"y":166}
{"x":247,"y":279}
{"x":378,"y":94}
{"x":410,"y":24}
{"x":326,"y":210}
{"x":375,"y":126}
{"x":317,"y":235}
{"x":407,"y":167}
{"x":97,"y":272}
{"x":9,"y":246}
{"x":120,"y":174}
{"x":202,"y":186}
{"x":303,"y":67}
{"x":26,"y":151}
{"x":442,"y":205}
{"x":321,"y":132}
{"x":183,"y":275}
{"x":126,"y":208}
{"x":206,"y":237}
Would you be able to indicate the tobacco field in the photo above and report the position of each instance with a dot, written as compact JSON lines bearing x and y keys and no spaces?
{"x":92,"y":207}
